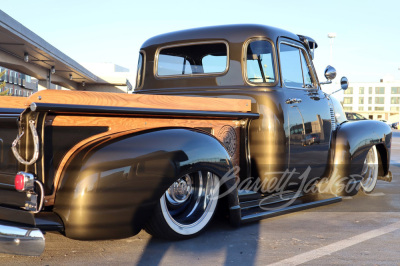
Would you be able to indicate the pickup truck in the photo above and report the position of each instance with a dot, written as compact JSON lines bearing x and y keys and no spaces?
{"x":220,"y":122}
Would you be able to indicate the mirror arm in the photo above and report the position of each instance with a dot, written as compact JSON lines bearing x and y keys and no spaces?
{"x":326,"y":82}
{"x":334,"y":92}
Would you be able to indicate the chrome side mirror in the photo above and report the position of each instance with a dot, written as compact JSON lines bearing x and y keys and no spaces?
{"x":330,"y":73}
{"x":344,"y":83}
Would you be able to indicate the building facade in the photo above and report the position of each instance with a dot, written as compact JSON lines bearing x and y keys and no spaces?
{"x":374,"y":100}
{"x":16,"y":84}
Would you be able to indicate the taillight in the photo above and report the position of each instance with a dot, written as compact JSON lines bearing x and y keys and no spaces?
{"x":19,"y":182}
{"x":24,"y":181}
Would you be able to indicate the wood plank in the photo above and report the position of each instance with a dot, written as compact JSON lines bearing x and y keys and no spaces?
{"x":13,"y":102}
{"x":119,"y":126}
{"x":116,"y":124}
{"x":141,"y":101}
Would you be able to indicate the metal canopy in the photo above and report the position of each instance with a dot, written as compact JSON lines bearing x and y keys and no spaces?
{"x":16,"y":40}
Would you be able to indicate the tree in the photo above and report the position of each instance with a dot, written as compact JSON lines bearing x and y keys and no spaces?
{"x":3,"y":84}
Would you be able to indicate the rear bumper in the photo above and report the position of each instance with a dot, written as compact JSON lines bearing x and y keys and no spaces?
{"x":19,"y":240}
{"x":21,"y":231}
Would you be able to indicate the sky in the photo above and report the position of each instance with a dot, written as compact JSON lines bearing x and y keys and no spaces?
{"x":366,"y":47}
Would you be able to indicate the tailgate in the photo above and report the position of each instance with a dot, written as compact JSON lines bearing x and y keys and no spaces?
{"x":8,"y":164}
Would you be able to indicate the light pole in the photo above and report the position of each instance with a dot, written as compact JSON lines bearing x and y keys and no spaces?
{"x":331,"y":36}
{"x":398,"y":119}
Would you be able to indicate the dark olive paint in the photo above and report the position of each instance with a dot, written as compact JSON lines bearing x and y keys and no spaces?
{"x":111,"y":187}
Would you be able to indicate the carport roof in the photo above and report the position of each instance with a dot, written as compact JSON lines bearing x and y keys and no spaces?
{"x":16,"y":40}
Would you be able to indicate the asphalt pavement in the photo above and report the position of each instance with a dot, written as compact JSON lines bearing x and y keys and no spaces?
{"x":362,"y":230}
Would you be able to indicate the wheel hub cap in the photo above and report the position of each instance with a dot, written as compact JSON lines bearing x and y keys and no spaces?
{"x":180,"y":191}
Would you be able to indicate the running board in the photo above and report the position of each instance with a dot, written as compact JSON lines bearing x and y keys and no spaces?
{"x":271,"y":207}
{"x":386,"y":178}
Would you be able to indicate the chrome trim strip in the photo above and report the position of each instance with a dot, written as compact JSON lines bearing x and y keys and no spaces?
{"x":10,"y":115}
{"x":112,"y":110}
{"x":21,"y":240}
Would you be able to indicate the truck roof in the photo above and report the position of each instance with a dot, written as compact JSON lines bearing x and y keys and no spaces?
{"x":235,"y":36}
{"x":230,"y":33}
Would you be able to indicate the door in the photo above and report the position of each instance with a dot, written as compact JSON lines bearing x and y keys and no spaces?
{"x":308,"y":114}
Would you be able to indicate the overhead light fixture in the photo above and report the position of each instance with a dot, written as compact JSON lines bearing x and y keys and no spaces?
{"x":26,"y":57}
{"x":332,"y":35}
{"x":83,"y":84}
{"x":53,"y":70}
{"x":70,"y":76}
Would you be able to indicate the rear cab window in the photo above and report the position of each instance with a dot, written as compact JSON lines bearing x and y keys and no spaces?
{"x":193,"y":59}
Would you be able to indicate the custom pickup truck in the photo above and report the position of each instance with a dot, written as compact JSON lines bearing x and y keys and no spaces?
{"x":227,"y":119}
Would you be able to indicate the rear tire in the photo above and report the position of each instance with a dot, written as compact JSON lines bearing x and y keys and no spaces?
{"x":186,"y":208}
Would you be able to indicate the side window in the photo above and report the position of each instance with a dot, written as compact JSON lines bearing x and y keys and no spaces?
{"x":295,"y":68}
{"x":306,"y":72}
{"x":140,"y":69}
{"x":292,"y":74}
{"x":260,"y":62}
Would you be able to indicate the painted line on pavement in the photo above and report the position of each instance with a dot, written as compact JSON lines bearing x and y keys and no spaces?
{"x":337,"y":246}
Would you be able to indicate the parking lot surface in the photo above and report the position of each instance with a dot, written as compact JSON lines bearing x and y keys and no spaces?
{"x":363,"y":230}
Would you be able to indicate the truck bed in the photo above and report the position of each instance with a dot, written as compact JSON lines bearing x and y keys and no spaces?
{"x":68,"y":120}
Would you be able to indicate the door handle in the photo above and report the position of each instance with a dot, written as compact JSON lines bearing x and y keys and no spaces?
{"x":293,"y":100}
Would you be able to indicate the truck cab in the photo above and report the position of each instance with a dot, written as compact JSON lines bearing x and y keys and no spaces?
{"x":271,"y":67}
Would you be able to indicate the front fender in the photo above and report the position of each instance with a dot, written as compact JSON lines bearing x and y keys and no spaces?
{"x":352,"y":142}
{"x":110,"y":188}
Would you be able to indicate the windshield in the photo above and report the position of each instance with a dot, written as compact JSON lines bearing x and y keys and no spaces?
{"x":360,"y":117}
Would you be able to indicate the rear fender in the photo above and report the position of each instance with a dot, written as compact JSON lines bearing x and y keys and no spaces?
{"x":109,"y":189}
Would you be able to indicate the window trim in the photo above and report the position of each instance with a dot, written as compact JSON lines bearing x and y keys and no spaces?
{"x":397,"y":89}
{"x":309,"y":64}
{"x":379,"y":97}
{"x":244,"y":62}
{"x":143,"y":72}
{"x":378,"y":93}
{"x":351,"y":97}
{"x":394,"y":97}
{"x":155,"y":69}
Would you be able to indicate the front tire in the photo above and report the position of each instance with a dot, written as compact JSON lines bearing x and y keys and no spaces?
{"x":369,"y":172}
{"x":186,"y":208}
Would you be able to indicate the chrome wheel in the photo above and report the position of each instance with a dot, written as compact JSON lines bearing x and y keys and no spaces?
{"x":189,"y":204}
{"x":369,"y":172}
{"x":180,"y":191}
